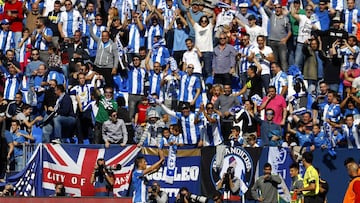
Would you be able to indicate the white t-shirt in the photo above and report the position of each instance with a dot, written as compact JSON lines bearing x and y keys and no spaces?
{"x":191,"y":57}
{"x":254,"y":32}
{"x":356,"y":83}
{"x":305,"y":27}
{"x":265,"y":64}
{"x":204,"y":37}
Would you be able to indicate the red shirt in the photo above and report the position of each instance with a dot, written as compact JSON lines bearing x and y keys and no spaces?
{"x":141,"y":110}
{"x":15,"y":22}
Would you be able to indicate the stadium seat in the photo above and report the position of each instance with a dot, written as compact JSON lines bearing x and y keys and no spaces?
{"x":37,"y":134}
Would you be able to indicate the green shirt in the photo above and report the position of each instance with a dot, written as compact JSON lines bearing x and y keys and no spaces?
{"x":295,"y":24}
{"x":104,"y":106}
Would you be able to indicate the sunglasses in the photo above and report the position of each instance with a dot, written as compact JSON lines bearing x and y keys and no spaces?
{"x":269,"y":113}
{"x":222,"y":38}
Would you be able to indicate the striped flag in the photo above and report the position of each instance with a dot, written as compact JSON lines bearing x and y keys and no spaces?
{"x":28,"y":181}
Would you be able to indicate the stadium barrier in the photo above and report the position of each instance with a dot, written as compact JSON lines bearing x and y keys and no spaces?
{"x":194,"y":168}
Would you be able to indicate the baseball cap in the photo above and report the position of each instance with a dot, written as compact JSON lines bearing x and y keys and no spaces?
{"x":185,"y":106}
{"x":243,"y":5}
{"x":136,"y":56}
{"x":5,"y":21}
{"x":153,"y":114}
{"x":336,"y":20}
{"x":251,"y":17}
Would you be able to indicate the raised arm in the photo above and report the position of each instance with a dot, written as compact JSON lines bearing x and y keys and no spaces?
{"x":294,"y":12}
{"x":258,"y":66}
{"x":96,"y":38}
{"x":182,"y":5}
{"x":290,"y":130}
{"x":156,"y":165}
{"x":147,"y":61}
{"x":311,"y":3}
{"x":241,"y":23}
{"x":191,"y":20}
{"x":139,"y":23}
{"x":183,"y":20}
{"x":267,"y":7}
{"x":161,"y":17}
{"x":168,"y":111}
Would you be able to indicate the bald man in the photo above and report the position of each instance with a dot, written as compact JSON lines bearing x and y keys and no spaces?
{"x":352,"y":194}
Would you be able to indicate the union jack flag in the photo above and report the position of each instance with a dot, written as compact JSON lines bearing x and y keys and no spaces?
{"x":73,"y":165}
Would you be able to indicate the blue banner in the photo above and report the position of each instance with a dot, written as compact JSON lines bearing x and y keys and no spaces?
{"x":187,"y":171}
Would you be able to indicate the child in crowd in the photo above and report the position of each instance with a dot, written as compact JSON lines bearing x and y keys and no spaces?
{"x":337,"y":139}
{"x":252,"y":141}
{"x":25,"y":49}
{"x":216,"y":91}
{"x":140,"y":116}
{"x":171,"y":137}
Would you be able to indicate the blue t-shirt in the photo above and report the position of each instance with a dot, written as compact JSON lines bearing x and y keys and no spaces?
{"x":18,"y":150}
{"x":305,"y":140}
{"x":324,"y":18}
{"x":351,"y":111}
{"x":321,"y":139}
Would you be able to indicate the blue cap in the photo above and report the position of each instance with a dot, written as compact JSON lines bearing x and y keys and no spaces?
{"x":5,"y":21}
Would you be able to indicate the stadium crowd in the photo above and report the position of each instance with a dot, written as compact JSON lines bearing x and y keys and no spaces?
{"x":165,"y":72}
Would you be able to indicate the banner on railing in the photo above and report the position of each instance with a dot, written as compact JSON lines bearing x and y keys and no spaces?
{"x":195,"y":169}
{"x":243,"y":160}
{"x":73,"y":165}
{"x":187,"y":171}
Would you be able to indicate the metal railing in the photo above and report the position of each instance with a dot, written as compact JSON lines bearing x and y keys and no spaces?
{"x":28,"y":151}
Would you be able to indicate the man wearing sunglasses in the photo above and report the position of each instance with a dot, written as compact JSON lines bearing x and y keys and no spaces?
{"x":280,"y":32}
{"x":114,"y":130}
{"x":223,"y":61}
{"x":267,"y":126}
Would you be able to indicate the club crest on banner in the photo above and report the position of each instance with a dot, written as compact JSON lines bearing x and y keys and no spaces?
{"x":241,"y":161}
